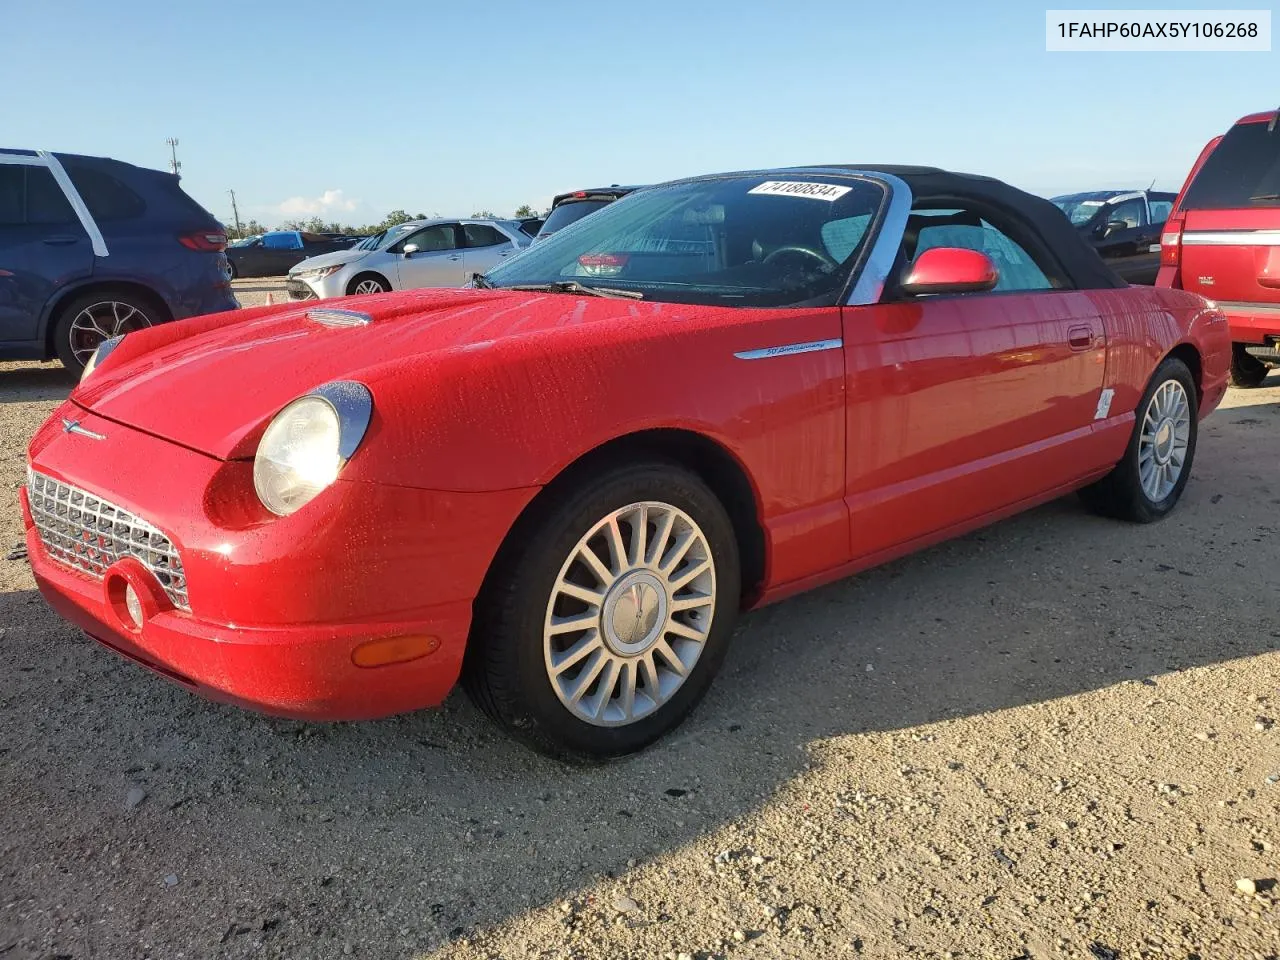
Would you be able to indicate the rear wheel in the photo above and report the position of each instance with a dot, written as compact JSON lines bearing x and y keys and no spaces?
{"x":1147,"y":484}
{"x":1246,"y":371}
{"x":85,"y":321}
{"x":606,"y":618}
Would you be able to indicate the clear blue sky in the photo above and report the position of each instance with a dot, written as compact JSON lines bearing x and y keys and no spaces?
{"x":452,"y":107}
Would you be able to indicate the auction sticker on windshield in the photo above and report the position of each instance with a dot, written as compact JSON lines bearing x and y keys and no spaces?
{"x":798,"y":188}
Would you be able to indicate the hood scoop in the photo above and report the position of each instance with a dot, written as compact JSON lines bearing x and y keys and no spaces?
{"x":333,"y":317}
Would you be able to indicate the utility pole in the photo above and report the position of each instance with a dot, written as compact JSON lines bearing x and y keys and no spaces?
{"x":235,"y":214}
{"x":174,"y":165}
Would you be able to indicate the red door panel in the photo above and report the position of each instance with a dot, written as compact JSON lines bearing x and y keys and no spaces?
{"x":959,"y":406}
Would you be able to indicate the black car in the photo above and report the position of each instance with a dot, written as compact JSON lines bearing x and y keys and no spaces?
{"x":567,"y":208}
{"x":1123,"y":226}
{"x":273,"y":254}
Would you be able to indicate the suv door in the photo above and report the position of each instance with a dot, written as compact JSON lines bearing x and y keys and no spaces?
{"x":960,"y":406}
{"x":486,"y":247}
{"x":43,"y":248}
{"x":436,"y":261}
{"x":1124,"y":235}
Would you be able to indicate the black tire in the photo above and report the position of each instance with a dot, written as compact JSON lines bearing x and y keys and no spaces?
{"x":381,"y":281}
{"x":505,"y":672}
{"x":1246,"y":371}
{"x":149,"y":312}
{"x":232,"y":272}
{"x":1120,"y":493}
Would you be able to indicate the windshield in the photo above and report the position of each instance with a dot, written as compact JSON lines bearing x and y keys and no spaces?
{"x":385,"y":238}
{"x":1080,"y":208}
{"x":735,"y":241}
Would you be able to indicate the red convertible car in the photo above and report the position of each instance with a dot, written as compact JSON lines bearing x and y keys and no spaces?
{"x":562,"y":484}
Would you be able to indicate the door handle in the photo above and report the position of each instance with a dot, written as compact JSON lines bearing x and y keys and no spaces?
{"x":1080,"y":338}
{"x":456,"y":257}
{"x":60,"y":241}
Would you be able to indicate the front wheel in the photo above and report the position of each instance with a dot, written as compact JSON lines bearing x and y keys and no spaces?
{"x":1147,"y":484}
{"x":606,"y":619}
{"x":369,"y":284}
{"x":1246,"y":370}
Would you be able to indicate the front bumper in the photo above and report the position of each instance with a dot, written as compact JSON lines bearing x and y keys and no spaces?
{"x":278,"y":607}
{"x":300,"y":290}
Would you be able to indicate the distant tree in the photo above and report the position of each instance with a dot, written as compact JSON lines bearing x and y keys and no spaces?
{"x":484,"y":215}
{"x":395,"y":218}
{"x":524,"y":210}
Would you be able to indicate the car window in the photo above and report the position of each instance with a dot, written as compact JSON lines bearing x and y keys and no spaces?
{"x":841,"y":237}
{"x":570,"y":212}
{"x":1129,"y":212}
{"x":106,"y":197}
{"x":440,"y":237}
{"x":1018,"y":271}
{"x":483,"y":235}
{"x":12,"y":181}
{"x":282,"y":241}
{"x":1160,"y":210}
{"x":46,"y":202}
{"x":1244,"y":171}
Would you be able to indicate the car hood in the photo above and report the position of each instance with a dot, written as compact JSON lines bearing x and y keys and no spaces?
{"x":328,"y":259}
{"x":213,"y":383}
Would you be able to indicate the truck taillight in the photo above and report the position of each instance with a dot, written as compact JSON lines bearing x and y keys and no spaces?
{"x":208,"y":240}
{"x":603,"y":264}
{"x":1171,"y":242}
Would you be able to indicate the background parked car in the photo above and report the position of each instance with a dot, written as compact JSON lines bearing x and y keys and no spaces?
{"x":1123,"y":226}
{"x":275,"y":252}
{"x":421,"y":253}
{"x":567,"y":208}
{"x":1223,"y":240}
{"x":91,"y":248}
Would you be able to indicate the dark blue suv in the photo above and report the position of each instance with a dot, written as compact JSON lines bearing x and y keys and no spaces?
{"x":92,"y":248}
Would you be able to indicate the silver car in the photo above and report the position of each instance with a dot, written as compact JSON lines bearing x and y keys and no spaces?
{"x":420,"y":253}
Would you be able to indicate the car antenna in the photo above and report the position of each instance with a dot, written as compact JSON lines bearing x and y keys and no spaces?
{"x":1151,"y":184}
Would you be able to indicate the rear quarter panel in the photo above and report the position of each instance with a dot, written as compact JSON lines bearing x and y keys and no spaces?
{"x":1144,"y":325}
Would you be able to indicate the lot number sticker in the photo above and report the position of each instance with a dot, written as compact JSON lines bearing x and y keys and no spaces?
{"x":798,"y":188}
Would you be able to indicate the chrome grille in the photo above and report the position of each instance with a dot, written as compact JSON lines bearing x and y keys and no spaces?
{"x":87,"y":533}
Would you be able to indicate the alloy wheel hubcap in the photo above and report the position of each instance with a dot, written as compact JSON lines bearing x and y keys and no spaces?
{"x":102,"y":321}
{"x":369,"y":286}
{"x":629,"y":614}
{"x":1164,"y":441}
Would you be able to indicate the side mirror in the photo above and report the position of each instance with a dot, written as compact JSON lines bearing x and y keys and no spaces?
{"x":409,"y":248}
{"x":944,"y":270}
{"x":1112,"y":226}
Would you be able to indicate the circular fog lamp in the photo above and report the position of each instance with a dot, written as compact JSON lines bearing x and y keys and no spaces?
{"x":133,"y":604}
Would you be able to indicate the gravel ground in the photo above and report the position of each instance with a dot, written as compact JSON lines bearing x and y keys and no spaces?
{"x":1053,"y":738}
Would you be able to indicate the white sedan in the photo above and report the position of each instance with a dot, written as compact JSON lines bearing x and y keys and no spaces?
{"x":420,"y":253}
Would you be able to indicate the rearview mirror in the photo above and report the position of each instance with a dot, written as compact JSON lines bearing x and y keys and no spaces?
{"x":944,"y":270}
{"x":409,"y":248}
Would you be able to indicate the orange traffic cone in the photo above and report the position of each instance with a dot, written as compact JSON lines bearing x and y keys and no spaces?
{"x":271,"y":299}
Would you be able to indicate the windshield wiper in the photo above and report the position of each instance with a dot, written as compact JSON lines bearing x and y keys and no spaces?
{"x":573,"y":286}
{"x":1266,"y":196}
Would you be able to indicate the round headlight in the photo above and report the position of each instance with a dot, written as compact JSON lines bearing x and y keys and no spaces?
{"x":300,"y":455}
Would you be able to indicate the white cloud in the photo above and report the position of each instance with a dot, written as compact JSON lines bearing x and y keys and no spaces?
{"x":331,"y":201}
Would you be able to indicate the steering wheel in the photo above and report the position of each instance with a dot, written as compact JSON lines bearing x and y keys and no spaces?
{"x":826,"y":262}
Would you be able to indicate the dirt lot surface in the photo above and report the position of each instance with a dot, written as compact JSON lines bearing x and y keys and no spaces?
{"x":1059,"y":737}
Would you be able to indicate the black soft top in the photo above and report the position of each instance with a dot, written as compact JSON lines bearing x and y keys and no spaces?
{"x":1033,"y":221}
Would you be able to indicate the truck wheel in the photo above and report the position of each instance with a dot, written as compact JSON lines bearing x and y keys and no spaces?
{"x":1246,"y":371}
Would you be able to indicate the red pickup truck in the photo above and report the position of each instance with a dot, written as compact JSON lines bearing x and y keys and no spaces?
{"x":1222,"y":240}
